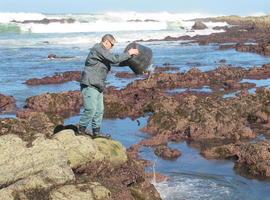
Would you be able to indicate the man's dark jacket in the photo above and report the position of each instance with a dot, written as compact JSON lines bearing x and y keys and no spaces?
{"x":97,"y":66}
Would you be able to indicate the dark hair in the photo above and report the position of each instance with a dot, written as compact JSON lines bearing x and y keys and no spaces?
{"x":107,"y":37}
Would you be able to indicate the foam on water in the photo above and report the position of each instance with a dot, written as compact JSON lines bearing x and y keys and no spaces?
{"x":195,"y":186}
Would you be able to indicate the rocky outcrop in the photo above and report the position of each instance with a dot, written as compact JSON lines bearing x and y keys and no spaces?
{"x":56,"y":79}
{"x":262,"y":48}
{"x":7,"y":104}
{"x":30,"y":125}
{"x":64,"y":103}
{"x":57,"y":168}
{"x":167,"y":153}
{"x":251,"y":159}
{"x":199,"y":25}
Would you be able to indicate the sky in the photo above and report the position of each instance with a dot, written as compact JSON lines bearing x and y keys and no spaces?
{"x":226,"y":7}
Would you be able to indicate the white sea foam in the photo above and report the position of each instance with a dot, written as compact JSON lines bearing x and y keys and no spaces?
{"x":8,"y":17}
{"x":194,"y":187}
{"x":110,"y":21}
{"x":88,"y":28}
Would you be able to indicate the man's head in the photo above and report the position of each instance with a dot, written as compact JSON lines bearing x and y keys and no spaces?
{"x":108,"y":41}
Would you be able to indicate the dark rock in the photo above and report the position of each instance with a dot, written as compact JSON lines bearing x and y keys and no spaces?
{"x":53,"y":56}
{"x":199,"y":25}
{"x":167,"y":153}
{"x":56,"y":79}
{"x":222,"y":61}
{"x":46,"y":21}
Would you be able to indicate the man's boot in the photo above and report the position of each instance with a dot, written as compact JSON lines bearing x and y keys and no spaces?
{"x":83,"y":131}
{"x":97,"y":134}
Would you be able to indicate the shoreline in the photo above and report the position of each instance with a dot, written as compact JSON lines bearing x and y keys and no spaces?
{"x":182,"y":107}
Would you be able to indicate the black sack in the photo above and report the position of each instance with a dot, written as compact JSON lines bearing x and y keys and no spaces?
{"x":141,"y":62}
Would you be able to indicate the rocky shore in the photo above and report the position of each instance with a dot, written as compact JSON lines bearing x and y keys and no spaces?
{"x":207,"y":121}
{"x":36,"y":164}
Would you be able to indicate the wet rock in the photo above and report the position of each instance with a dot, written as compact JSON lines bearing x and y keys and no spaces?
{"x":53,"y":56}
{"x":255,"y":159}
{"x":157,"y":177}
{"x":30,"y":125}
{"x":7,"y":104}
{"x":199,"y":25}
{"x":64,"y":104}
{"x":125,"y":75}
{"x":167,"y":153}
{"x":222,"y":61}
{"x":56,"y":79}
{"x":259,"y":72}
{"x":128,"y":181}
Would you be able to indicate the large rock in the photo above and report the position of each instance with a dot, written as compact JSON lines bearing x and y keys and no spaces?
{"x":63,"y":103}
{"x":83,"y":149}
{"x":28,"y":172}
{"x":199,"y":25}
{"x":254,"y":159}
{"x":45,"y":161}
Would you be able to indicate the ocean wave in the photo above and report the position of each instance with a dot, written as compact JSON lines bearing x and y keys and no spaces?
{"x":109,"y":21}
{"x":9,"y":28}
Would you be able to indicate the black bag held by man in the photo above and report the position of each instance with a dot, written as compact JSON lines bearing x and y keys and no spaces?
{"x":141,"y":62}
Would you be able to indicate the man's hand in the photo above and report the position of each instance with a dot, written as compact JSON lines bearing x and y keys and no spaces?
{"x":133,"y":52}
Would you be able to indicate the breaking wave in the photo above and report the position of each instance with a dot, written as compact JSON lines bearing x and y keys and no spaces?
{"x":110,"y":21}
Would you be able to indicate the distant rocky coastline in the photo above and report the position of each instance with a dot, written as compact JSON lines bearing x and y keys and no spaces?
{"x":247,"y":34}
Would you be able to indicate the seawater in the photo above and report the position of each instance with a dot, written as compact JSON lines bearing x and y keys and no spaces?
{"x":23,"y":56}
